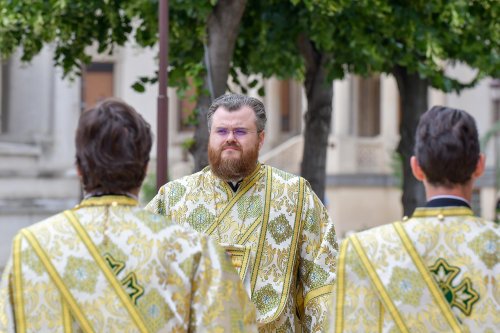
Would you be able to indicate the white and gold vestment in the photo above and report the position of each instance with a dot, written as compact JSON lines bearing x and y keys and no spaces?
{"x":437,"y":272}
{"x":109,"y":266}
{"x":279,"y":236}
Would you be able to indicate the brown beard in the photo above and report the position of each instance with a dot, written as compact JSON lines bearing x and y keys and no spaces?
{"x":233,"y":169}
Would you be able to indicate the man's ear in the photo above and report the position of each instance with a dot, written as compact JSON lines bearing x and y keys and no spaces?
{"x":416,"y":169}
{"x":481,"y":162}
{"x":78,"y":171}
{"x":261,"y":138}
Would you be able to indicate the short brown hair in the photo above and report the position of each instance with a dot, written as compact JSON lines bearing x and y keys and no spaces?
{"x":113,"y":143}
{"x":447,"y":146}
{"x":234,"y":102}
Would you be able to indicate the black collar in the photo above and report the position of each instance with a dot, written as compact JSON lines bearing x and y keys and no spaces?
{"x":235,"y":186}
{"x":446,"y":202}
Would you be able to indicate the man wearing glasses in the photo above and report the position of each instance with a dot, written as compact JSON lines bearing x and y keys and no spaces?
{"x":278,"y":233}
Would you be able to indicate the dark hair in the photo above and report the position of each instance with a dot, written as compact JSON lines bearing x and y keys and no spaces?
{"x":234,"y":102}
{"x":113,"y":142}
{"x":447,"y":146}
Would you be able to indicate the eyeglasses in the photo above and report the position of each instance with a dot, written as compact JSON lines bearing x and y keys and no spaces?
{"x":237,"y":132}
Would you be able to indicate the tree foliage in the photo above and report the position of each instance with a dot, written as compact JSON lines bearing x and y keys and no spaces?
{"x":413,"y":40}
{"x":73,"y":27}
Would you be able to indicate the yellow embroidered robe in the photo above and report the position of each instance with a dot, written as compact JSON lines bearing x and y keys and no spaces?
{"x":109,"y":266}
{"x":279,"y":235}
{"x":437,"y":272}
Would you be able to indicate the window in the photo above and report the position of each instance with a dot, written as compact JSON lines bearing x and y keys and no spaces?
{"x":368,"y":108}
{"x":284,"y":95}
{"x":185,"y":108}
{"x":97,"y":83}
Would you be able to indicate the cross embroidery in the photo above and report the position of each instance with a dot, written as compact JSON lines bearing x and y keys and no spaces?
{"x":129,"y":283}
{"x":461,"y":296}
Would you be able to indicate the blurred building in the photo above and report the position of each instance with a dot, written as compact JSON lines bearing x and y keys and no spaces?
{"x":39,"y":111}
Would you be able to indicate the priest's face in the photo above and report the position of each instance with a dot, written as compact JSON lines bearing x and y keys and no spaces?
{"x":234,"y":143}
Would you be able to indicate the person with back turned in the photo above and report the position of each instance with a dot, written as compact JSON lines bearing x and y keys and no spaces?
{"x":439,"y":270}
{"x":108,"y":265}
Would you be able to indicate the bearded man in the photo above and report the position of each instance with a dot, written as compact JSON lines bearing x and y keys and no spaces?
{"x":278,"y":233}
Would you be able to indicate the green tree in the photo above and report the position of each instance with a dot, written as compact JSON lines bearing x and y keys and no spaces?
{"x":316,"y":41}
{"x":285,"y":39}
{"x":413,"y":41}
{"x":319,"y":41}
{"x":202,"y":37}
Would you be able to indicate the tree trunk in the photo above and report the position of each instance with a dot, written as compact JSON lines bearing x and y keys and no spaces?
{"x":413,"y":95}
{"x":222,"y":31}
{"x":319,"y":92}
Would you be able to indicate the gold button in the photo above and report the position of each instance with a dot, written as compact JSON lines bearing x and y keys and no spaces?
{"x":114,"y":204}
{"x":440,"y":217}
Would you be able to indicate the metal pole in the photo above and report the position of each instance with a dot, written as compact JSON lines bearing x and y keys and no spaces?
{"x":162,"y":115}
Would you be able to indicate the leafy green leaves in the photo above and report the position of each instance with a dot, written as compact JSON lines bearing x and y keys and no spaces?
{"x":362,"y":36}
{"x":365,"y":37}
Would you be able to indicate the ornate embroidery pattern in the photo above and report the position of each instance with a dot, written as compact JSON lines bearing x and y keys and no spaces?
{"x":486,"y":245}
{"x":249,"y":207}
{"x":153,"y":222}
{"x":176,"y":192}
{"x":311,"y":222}
{"x":286,"y":327}
{"x":317,"y":275}
{"x":406,"y":285}
{"x":32,"y":261}
{"x":462,"y":296}
{"x":155,"y":310}
{"x":161,"y":208}
{"x":266,"y":222}
{"x":280,"y":229}
{"x":265,"y":299}
{"x":81,"y":273}
{"x":200,"y":218}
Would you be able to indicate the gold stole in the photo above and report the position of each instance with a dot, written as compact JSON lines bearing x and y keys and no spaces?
{"x":240,"y":253}
{"x":437,"y":304}
{"x":55,"y":270}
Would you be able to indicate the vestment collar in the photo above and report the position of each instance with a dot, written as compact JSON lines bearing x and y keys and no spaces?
{"x":441,"y":212}
{"x":108,"y":200}
{"x":447,"y":201}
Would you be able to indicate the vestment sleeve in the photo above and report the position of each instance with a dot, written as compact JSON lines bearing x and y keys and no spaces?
{"x":219,"y":302}
{"x":158,"y":205}
{"x":317,"y":265}
{"x":355,"y":306}
{"x":6,"y":306}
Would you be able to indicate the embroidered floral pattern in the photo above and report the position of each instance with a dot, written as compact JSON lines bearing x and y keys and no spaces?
{"x":155,"y":310}
{"x":200,"y":218}
{"x":280,"y":229}
{"x":249,"y":207}
{"x":291,"y":227}
{"x":315,"y":275}
{"x":177,"y":279}
{"x":487,"y":247}
{"x":81,"y":273}
{"x":406,"y":285}
{"x":175,"y":194}
{"x":265,"y":299}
